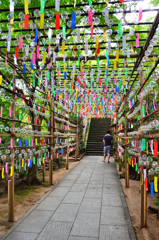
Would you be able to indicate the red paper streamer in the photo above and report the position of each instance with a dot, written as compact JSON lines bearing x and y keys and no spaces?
{"x":155,"y":148}
{"x":17,"y":52}
{"x":98,"y":49}
{"x":91,"y":31}
{"x":26,"y":21}
{"x":100,"y":82}
{"x":79,"y":81}
{"x":43,"y":140}
{"x":146,"y":184}
{"x":57,"y":21}
{"x":84,"y":85}
{"x":35,"y":121}
{"x":28,"y":119}
{"x":121,"y":1}
{"x":88,"y":92}
{"x":73,"y":50}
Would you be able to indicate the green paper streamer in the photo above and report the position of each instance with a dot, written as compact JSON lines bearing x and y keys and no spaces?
{"x":29,"y":142}
{"x":20,"y":117}
{"x":91,"y":82}
{"x":136,"y":167}
{"x":120,"y":34}
{"x":143,"y":110}
{"x":143,"y":144}
{"x":138,"y":118}
{"x":78,"y":62}
{"x":70,"y":91}
{"x":42,"y":8}
{"x":33,"y":77}
{"x":64,"y":31}
{"x":89,"y":98}
{"x":119,"y":84}
{"x":98,"y":63}
{"x":90,"y":3}
{"x":126,"y":73}
{"x":107,"y":81}
{"x":48,"y":75}
{"x":33,"y":160}
{"x":125,"y":91}
{"x":44,"y":155}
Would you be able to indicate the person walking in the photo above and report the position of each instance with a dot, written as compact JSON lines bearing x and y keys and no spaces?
{"x":107,"y":145}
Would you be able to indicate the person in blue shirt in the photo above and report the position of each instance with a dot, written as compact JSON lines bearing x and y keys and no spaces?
{"x":107,"y":145}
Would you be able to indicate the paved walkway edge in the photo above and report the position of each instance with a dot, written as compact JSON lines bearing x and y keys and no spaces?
{"x":127,"y":214}
{"x":16,"y":224}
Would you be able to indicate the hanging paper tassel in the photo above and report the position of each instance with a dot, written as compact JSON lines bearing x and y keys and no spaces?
{"x":0,"y":79}
{"x":36,"y":35}
{"x":17,"y":52}
{"x":91,"y":31}
{"x":73,"y":20}
{"x":20,"y":42}
{"x":90,"y":17}
{"x":41,"y":21}
{"x":140,"y":13}
{"x":105,"y":35}
{"x":57,"y":26}
{"x":26,"y":21}
{"x":137,"y":40}
{"x":44,"y":57}
{"x":42,"y":7}
{"x":64,"y":31}
{"x":155,"y":184}
{"x":63,"y":48}
{"x":155,"y":148}
{"x":26,"y":7}
{"x":120,"y":32}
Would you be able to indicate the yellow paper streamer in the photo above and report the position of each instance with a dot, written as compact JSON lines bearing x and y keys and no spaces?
{"x":81,"y":66}
{"x":26,"y":7}
{"x":124,"y":80}
{"x":117,"y":55}
{"x":36,"y":141}
{"x":115,"y":68}
{"x":63,"y":48}
{"x":105,"y":35}
{"x":22,"y":162}
{"x":155,"y":184}
{"x":43,"y":160}
{"x":132,"y":163}
{"x":0,"y":79}
{"x":142,"y":179}
{"x":11,"y":171}
{"x":97,"y":40}
{"x":64,"y":67}
{"x":40,"y":83}
{"x":2,"y":172}
{"x":12,"y":24}
{"x":41,"y":21}
{"x":44,"y":57}
{"x":132,"y":49}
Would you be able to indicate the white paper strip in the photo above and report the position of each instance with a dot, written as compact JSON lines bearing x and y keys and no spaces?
{"x":109,"y":46}
{"x":124,"y":41}
{"x":27,"y":50}
{"x":15,"y":60}
{"x":106,"y":15}
{"x":86,"y":47}
{"x":145,"y":174}
{"x":128,"y":52}
{"x":8,"y":46}
{"x":78,"y":35}
{"x":57,"y":5}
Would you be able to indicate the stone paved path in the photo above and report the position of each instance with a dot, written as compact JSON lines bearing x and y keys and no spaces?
{"x":87,"y":204}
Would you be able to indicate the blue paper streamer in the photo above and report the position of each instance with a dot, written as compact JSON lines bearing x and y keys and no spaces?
{"x":24,"y":68}
{"x":36,"y":35}
{"x":64,"y":75}
{"x":73,"y":20}
{"x":26,"y":142}
{"x":30,"y":163}
{"x":20,"y":142}
{"x":152,"y":189}
{"x":32,"y":67}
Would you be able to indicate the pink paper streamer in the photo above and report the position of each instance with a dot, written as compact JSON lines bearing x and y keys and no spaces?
{"x":115,"y":80}
{"x":10,"y":111}
{"x":1,"y":111}
{"x":90,"y":17}
{"x":6,"y":167}
{"x":32,"y":142}
{"x":140,"y":13}
{"x":37,"y":51}
{"x":20,"y":42}
{"x":137,"y":40}
{"x":28,"y":162}
{"x":16,"y":92}
{"x":0,"y":140}
{"x":154,"y":104}
{"x":34,"y":58}
{"x":11,"y":143}
{"x":49,"y":50}
{"x":81,"y":74}
{"x":51,"y":157}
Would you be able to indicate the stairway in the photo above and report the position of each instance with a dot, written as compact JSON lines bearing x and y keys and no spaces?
{"x":98,"y":129}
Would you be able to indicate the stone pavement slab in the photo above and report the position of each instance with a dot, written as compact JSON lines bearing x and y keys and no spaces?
{"x":87,"y":204}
